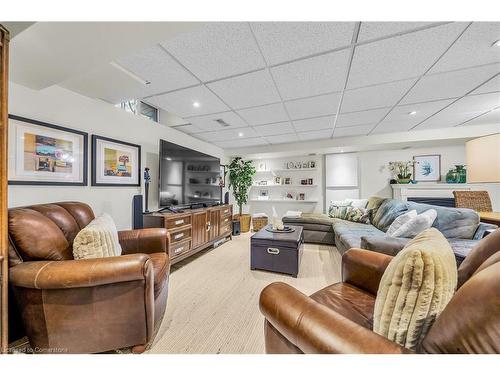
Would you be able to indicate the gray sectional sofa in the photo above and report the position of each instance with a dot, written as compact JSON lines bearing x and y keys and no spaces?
{"x":460,"y":225}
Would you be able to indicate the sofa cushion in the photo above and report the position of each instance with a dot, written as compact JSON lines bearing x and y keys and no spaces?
{"x":415,"y":288}
{"x":374,"y":204}
{"x":399,"y":221}
{"x":348,"y":234}
{"x":451,"y":222}
{"x":347,"y":300}
{"x":416,"y":225}
{"x":388,"y":211}
{"x":311,"y":221}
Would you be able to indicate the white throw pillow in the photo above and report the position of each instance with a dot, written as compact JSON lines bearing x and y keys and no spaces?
{"x":358,"y":203}
{"x":416,"y":225}
{"x":399,"y":221}
{"x":99,"y":239}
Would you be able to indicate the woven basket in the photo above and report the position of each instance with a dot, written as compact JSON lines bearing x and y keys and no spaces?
{"x":258,"y":223}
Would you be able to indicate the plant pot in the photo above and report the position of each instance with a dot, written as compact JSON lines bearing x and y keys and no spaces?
{"x":404,"y":180}
{"x":244,"y":222}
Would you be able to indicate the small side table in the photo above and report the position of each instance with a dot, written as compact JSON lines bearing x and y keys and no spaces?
{"x":490,"y":217}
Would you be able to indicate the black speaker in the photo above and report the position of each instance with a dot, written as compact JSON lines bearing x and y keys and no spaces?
{"x":137,"y":222}
{"x":236,"y":228}
{"x":226,"y":198}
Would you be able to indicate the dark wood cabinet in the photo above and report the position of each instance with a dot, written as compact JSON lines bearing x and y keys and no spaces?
{"x":193,"y":230}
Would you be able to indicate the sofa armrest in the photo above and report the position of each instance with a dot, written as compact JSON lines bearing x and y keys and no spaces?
{"x":149,"y":240}
{"x":314,"y":328}
{"x":82,"y":273}
{"x":364,"y":268}
{"x":483,"y":229}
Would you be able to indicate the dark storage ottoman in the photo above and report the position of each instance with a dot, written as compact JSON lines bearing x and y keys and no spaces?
{"x":277,"y":252}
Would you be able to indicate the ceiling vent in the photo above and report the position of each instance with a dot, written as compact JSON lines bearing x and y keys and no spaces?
{"x":222,"y":123}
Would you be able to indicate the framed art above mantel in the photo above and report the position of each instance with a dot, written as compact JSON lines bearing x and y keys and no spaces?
{"x":41,"y":153}
{"x":115,"y":163}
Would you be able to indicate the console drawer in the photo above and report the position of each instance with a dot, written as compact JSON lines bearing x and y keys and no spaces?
{"x":178,"y":222}
{"x":226,"y":229}
{"x":227,"y":211}
{"x":225,"y":221}
{"x":180,"y":235}
{"x":180,"y":248}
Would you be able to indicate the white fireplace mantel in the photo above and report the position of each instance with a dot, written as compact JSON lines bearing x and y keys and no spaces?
{"x":434,"y":190}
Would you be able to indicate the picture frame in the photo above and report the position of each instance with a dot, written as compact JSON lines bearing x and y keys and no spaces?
{"x":263,"y":194}
{"x":277,"y":180}
{"x":41,"y":153}
{"x":109,"y":162}
{"x":301,"y":197}
{"x":289,"y":195}
{"x":262,"y":166}
{"x":309,"y":181}
{"x":287,"y":181}
{"x":312,"y":164}
{"x":427,"y":168}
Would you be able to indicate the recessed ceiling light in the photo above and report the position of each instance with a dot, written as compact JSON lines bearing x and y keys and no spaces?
{"x":496,"y":43}
{"x":196,"y":104}
{"x":240,"y":134}
{"x":412,"y":113}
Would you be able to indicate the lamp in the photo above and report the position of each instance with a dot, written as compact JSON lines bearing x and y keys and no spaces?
{"x":483,"y":159}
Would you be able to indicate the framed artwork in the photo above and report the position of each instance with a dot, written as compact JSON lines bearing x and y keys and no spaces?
{"x":427,"y":168}
{"x":312,"y":164}
{"x":115,"y":163}
{"x":287,"y":181}
{"x":301,"y":197}
{"x":262,"y":166}
{"x":222,"y":176}
{"x":263,"y":194}
{"x":46,"y":154}
{"x":277,"y":180}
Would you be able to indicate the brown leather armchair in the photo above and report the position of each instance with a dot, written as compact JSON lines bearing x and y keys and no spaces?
{"x":88,"y":305}
{"x":339,"y":318}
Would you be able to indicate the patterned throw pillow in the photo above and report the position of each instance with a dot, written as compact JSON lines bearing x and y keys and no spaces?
{"x":358,"y":215}
{"x":338,"y":209}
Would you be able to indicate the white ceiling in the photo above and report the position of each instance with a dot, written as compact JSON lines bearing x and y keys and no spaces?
{"x":283,"y":82}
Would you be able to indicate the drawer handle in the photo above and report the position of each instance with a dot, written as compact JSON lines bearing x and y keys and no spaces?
{"x":226,"y":220}
{"x":179,"y":249}
{"x":226,"y":211}
{"x":177,"y":236}
{"x":178,"y":222}
{"x":273,"y":250}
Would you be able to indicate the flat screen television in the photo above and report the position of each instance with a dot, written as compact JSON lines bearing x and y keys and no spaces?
{"x":187,"y":177}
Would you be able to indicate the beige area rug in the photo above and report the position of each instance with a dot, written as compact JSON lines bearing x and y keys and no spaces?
{"x":213,"y":298}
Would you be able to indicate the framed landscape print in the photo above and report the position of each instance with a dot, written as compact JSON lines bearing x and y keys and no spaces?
{"x":46,"y":154}
{"x":115,"y":163}
{"x":427,"y":168}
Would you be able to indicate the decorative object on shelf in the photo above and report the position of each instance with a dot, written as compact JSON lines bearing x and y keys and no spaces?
{"x":277,"y":180}
{"x":287,"y":181}
{"x":289,"y":195}
{"x":261,"y":183}
{"x":115,"y":163}
{"x":402,"y":170}
{"x":303,"y":181}
{"x":240,"y":180}
{"x":222,"y":175}
{"x":301,"y":197}
{"x":147,"y":180}
{"x":290,"y":165}
{"x":309,"y":181}
{"x":452,"y":176}
{"x":46,"y":154}
{"x":298,"y":165}
{"x":277,"y":222}
{"x":427,"y":168}
{"x":262,"y":167}
{"x":263,"y":195}
{"x":462,"y":173}
{"x":312,"y":164}
{"x":305,"y":164}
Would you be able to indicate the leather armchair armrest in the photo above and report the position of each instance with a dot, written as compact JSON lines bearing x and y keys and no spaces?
{"x":147,"y":241}
{"x":314,"y":328}
{"x":66,"y":274}
{"x":364,"y":268}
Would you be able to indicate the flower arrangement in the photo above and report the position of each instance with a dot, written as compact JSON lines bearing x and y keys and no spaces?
{"x":402,"y":169}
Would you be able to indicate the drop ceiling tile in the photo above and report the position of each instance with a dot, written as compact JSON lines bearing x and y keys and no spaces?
{"x":492,"y":85}
{"x":216,"y":50}
{"x":227,"y":135}
{"x":401,"y":57}
{"x":399,"y":119}
{"x":209,"y":123}
{"x":318,"y":123}
{"x":248,"y":90}
{"x":361,"y":118}
{"x":157,"y":67}
{"x":473,"y":48}
{"x":237,"y":143}
{"x":314,"y":76}
{"x":373,"y":30}
{"x":312,"y":135}
{"x":450,"y":84}
{"x":189,"y":129}
{"x":321,"y":105}
{"x":351,"y":131}
{"x":462,"y":110}
{"x":274,"y":129}
{"x":284,"y":138}
{"x":264,"y":115}
{"x":285,"y":41}
{"x":492,"y":117}
{"x":181,"y":102}
{"x":378,"y":96}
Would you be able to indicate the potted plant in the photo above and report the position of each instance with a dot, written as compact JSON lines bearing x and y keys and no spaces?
{"x":402,"y":170}
{"x":240,"y":180}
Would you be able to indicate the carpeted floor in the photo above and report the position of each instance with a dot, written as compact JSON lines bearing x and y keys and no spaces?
{"x":213,"y":298}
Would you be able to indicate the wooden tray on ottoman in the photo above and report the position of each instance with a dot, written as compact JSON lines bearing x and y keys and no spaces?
{"x":277,"y":252}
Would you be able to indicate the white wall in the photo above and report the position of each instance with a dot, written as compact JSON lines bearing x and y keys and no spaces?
{"x":66,"y":108}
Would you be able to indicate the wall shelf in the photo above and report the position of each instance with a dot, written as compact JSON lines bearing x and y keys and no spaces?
{"x":288,"y":186}
{"x":281,"y":201}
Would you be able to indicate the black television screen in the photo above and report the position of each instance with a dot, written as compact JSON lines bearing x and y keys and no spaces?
{"x":187,"y":176}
